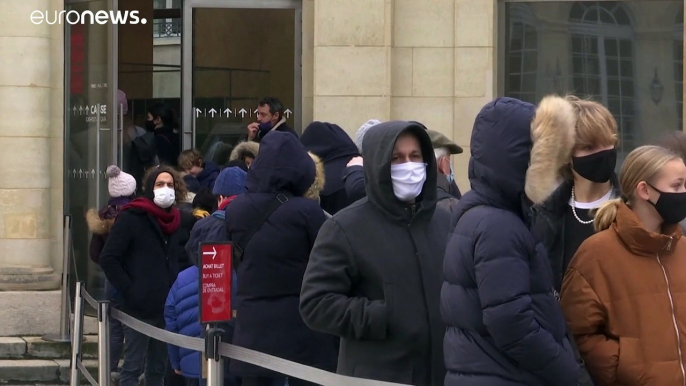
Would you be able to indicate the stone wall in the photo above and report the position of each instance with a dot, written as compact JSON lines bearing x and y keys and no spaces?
{"x":425,"y":60}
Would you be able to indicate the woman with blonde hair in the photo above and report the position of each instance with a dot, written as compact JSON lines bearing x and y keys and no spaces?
{"x":624,"y":294}
{"x":562,"y":219}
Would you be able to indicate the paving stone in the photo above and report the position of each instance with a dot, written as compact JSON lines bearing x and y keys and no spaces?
{"x":12,"y":347}
{"x":29,"y":370}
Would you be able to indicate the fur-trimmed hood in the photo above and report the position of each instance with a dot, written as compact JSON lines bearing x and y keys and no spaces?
{"x":553,"y":134}
{"x":97,"y":225}
{"x":238,"y":152}
{"x":319,"y":178}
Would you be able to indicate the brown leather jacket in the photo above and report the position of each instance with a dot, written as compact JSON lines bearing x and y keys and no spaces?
{"x":624,"y":296}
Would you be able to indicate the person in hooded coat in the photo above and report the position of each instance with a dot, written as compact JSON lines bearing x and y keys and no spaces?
{"x":505,"y":325}
{"x":140,"y":259}
{"x":335,"y":148}
{"x":374,"y":275}
{"x":274,"y":260}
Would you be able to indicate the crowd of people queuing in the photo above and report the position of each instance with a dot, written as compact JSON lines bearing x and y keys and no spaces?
{"x":363,"y":257}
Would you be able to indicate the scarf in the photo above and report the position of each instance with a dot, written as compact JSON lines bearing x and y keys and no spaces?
{"x":169,"y":220}
{"x":226,"y":202}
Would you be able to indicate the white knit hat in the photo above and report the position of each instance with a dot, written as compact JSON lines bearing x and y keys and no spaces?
{"x":359,"y":136}
{"x":120,"y":184}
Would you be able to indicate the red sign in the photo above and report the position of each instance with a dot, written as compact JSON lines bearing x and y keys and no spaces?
{"x":215,"y":282}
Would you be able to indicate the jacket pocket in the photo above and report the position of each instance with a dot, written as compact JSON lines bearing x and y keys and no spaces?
{"x":631,"y":364}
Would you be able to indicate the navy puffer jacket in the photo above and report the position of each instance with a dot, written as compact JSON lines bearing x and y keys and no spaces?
{"x":505,"y":326}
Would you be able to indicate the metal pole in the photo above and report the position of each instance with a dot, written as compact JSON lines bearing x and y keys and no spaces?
{"x":63,"y":335}
{"x":215,"y":364}
{"x":75,"y":378}
{"x":104,"y":343}
{"x":97,"y":156}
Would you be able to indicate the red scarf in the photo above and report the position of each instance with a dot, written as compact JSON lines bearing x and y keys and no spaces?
{"x":226,"y":202}
{"x":169,"y":220}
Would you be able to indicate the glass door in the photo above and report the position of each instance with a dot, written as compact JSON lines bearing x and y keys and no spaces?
{"x":91,"y":135}
{"x":235,"y":53}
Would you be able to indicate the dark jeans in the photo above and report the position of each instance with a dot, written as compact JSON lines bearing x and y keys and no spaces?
{"x":262,"y":381}
{"x":116,"y":330}
{"x":143,"y":354}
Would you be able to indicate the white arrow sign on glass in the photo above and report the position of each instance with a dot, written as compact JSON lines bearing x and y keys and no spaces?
{"x":212,"y":112}
{"x":73,"y":173}
{"x":92,"y":173}
{"x":242,"y":112}
{"x":227,"y":112}
{"x":255,"y":112}
{"x":197,"y":112}
{"x":288,"y":113}
{"x":213,"y":253}
{"x":80,"y":173}
{"x":75,"y":110}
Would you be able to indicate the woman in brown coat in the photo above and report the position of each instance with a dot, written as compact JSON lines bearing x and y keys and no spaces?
{"x":624,"y":294}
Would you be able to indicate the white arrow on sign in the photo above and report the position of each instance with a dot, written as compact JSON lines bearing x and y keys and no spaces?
{"x":75,"y":110}
{"x":80,"y":110}
{"x":80,"y":173}
{"x":255,"y":112}
{"x":92,"y":173}
{"x":197,"y":112}
{"x":212,"y":112}
{"x":73,"y":173}
{"x":213,"y":253}
{"x":288,"y":113}
{"x":242,"y":112}
{"x":227,"y":112}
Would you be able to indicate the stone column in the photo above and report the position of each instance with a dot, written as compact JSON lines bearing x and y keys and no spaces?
{"x":31,"y":104}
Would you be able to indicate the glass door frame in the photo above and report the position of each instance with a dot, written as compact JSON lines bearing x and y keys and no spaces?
{"x":114,"y":120}
{"x":188,"y":122}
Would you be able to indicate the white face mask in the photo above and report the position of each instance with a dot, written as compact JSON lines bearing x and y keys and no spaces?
{"x":408,"y":180}
{"x":164,"y":197}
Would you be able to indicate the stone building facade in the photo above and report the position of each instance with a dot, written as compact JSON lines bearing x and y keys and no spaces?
{"x":434,"y":61}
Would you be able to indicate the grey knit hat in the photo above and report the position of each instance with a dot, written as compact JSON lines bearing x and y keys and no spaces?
{"x":359,"y":136}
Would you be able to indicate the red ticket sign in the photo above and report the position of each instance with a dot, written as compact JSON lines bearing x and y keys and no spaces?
{"x":215,"y":282}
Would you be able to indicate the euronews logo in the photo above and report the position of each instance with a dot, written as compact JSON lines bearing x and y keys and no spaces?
{"x":87,"y":17}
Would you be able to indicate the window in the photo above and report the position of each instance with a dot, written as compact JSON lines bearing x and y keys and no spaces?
{"x":603,"y":62}
{"x":624,"y":54}
{"x":165,"y":28}
{"x":679,"y":68}
{"x":522,"y":54}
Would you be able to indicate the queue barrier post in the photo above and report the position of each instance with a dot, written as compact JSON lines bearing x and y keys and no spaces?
{"x":104,"y":343}
{"x":215,"y":364}
{"x":77,"y":336}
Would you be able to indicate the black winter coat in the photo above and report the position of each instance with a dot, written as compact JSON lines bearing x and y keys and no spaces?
{"x":548,"y":224}
{"x":271,"y":273}
{"x":375,"y":273}
{"x":141,"y":262}
{"x":335,"y":148}
{"x":505,"y":325}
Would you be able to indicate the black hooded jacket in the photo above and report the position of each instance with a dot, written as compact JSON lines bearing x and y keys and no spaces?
{"x":335,"y":148}
{"x":375,"y":273}
{"x":271,"y":272}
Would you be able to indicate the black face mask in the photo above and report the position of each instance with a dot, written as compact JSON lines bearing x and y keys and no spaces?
{"x":150,"y":125}
{"x":597,"y":167}
{"x":670,"y":206}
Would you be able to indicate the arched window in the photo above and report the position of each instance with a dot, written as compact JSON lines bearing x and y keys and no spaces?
{"x":679,"y":67}
{"x":522,"y":54}
{"x":603,"y":62}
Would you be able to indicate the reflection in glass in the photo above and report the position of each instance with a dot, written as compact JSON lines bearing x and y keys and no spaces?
{"x":597,"y":46}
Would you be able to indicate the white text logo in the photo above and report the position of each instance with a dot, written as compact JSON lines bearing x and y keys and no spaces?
{"x":87,"y":17}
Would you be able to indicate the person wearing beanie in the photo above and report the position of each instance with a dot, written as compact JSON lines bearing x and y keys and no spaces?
{"x":181,"y":309}
{"x":353,"y":174}
{"x":140,"y":259}
{"x":121,"y":187}
{"x":359,"y":136}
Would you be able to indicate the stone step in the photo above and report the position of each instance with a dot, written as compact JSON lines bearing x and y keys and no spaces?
{"x":34,"y":347}
{"x":43,"y":371}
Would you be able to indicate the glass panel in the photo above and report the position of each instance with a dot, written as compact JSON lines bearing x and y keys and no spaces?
{"x":599,"y":59}
{"x":530,"y":37}
{"x":229,"y":83}
{"x":87,"y":131}
{"x":515,"y":63}
{"x":530,"y":61}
